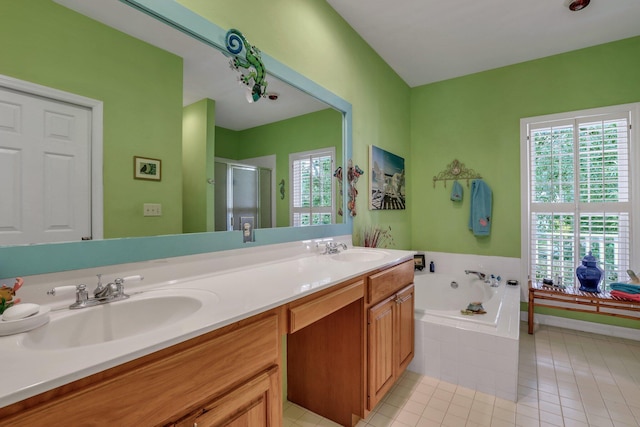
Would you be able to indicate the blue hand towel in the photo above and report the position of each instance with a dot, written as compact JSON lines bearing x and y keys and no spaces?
{"x":625,"y":287}
{"x":456,"y":191}
{"x":480,"y":213}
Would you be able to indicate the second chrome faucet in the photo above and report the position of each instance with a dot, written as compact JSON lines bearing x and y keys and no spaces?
{"x":102,"y":294}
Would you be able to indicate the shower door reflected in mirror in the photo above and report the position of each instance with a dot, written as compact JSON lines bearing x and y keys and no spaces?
{"x":242,"y":191}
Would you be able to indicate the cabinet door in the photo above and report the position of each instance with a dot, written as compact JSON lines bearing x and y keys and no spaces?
{"x":405,"y":328}
{"x":253,"y":404}
{"x":381,"y":350}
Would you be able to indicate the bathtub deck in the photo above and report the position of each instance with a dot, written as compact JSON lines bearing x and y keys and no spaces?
{"x":586,"y":302}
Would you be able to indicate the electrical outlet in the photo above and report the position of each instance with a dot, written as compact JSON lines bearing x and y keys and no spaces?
{"x":152,"y":209}
{"x":246,"y":226}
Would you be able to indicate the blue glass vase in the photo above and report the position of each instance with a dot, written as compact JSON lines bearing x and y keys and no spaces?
{"x":589,"y":274}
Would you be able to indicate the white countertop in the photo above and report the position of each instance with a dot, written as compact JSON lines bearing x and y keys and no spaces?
{"x":245,"y":282}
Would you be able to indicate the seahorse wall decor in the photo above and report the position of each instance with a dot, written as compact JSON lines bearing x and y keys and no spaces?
{"x":338,"y":176}
{"x":281,"y":189}
{"x":252,"y":61}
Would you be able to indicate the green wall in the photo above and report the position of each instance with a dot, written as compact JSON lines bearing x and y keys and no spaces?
{"x":227,"y":143}
{"x":311,"y":38}
{"x":198,"y":147}
{"x":140,"y":86}
{"x":476,"y":119}
{"x":311,"y":131}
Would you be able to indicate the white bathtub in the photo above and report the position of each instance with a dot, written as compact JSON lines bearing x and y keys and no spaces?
{"x":444,"y":295}
{"x":478,"y":352}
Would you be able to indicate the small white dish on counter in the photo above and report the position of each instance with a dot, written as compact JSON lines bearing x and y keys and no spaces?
{"x":10,"y":327}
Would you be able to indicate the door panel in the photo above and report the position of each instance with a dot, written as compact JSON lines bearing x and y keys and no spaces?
{"x":45,"y":160}
{"x":405,"y":333}
{"x":381,"y":358}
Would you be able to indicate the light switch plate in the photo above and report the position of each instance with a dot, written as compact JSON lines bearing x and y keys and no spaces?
{"x":152,"y":209}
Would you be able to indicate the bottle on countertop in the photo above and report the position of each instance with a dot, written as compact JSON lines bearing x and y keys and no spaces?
{"x":432,"y":267}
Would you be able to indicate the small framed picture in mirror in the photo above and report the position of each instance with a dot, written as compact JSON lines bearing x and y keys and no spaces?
{"x":147,"y":168}
{"x":418,"y":262}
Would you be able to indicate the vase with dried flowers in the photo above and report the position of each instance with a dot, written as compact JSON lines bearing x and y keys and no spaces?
{"x":375,"y":236}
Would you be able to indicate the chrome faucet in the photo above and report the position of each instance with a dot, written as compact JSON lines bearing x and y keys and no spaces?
{"x":101,"y":295}
{"x":481,"y":276}
{"x":334,"y":248}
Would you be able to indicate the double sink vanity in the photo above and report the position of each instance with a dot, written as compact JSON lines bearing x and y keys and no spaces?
{"x":201,"y":340}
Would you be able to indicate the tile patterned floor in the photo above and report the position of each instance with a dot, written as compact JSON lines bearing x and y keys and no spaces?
{"x":566,"y":378}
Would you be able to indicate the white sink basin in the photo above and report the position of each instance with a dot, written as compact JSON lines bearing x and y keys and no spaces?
{"x":142,"y":313}
{"x":360,"y":255}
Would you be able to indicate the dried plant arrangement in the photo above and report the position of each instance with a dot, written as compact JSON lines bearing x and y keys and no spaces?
{"x":375,"y":236}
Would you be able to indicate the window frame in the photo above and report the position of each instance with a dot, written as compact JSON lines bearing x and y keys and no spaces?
{"x":633,"y":111}
{"x":331,"y":151}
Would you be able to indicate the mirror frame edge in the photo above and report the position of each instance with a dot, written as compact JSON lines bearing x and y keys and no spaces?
{"x":35,"y":259}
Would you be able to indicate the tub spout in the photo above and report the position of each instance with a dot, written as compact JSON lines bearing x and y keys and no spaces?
{"x":481,"y":276}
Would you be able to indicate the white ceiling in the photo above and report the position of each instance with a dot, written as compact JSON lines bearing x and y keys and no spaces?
{"x":426,"y":41}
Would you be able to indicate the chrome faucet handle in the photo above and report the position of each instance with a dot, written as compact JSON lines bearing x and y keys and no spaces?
{"x":82,"y":295}
{"x":67,"y":288}
{"x":119,"y":283}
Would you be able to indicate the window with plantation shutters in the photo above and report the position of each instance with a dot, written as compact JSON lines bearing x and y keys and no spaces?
{"x":579,"y":194}
{"x":311,"y":186}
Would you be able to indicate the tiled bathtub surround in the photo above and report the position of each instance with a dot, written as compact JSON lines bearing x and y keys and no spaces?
{"x":476,"y":355}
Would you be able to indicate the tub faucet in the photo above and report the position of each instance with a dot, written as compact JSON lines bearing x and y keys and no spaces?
{"x":481,"y":276}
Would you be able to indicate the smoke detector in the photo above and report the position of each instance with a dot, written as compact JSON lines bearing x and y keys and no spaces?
{"x":576,"y":5}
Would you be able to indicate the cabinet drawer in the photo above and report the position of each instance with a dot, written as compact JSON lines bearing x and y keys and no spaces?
{"x":385,"y":283}
{"x":307,"y":313}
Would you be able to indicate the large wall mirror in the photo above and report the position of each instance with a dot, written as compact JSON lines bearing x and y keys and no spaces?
{"x":170,"y":95}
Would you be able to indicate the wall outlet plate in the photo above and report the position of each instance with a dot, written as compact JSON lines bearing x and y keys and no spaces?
{"x":246,"y":226}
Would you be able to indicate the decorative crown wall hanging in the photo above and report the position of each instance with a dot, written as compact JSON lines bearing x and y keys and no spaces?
{"x":254,"y":78}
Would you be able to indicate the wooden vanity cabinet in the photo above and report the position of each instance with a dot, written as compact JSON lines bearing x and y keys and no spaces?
{"x":390,"y":329}
{"x":228,"y":377}
{"x":342,"y":362}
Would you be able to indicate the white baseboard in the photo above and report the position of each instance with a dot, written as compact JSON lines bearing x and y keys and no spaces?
{"x":581,"y":325}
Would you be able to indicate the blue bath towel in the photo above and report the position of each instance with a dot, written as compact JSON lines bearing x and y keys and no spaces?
{"x":625,"y":287}
{"x":456,"y":191}
{"x":480,"y":214}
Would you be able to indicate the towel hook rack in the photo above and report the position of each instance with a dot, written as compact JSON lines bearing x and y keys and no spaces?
{"x":455,"y":170}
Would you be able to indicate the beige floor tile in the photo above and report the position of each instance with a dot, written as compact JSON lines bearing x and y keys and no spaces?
{"x":574,"y":414}
{"x":408,"y":418}
{"x":504,"y":415}
{"x":451,"y":420}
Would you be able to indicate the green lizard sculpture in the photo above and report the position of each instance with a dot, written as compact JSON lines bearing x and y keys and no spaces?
{"x":255,"y":79}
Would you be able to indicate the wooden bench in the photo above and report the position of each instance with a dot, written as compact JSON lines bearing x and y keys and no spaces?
{"x":585,"y":302}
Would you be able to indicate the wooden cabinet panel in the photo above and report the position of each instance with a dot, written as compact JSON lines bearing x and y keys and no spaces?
{"x":387,"y":282}
{"x":314,"y":310}
{"x":391,"y":342}
{"x":406,"y":328}
{"x":381,"y":350}
{"x":253,"y":404}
